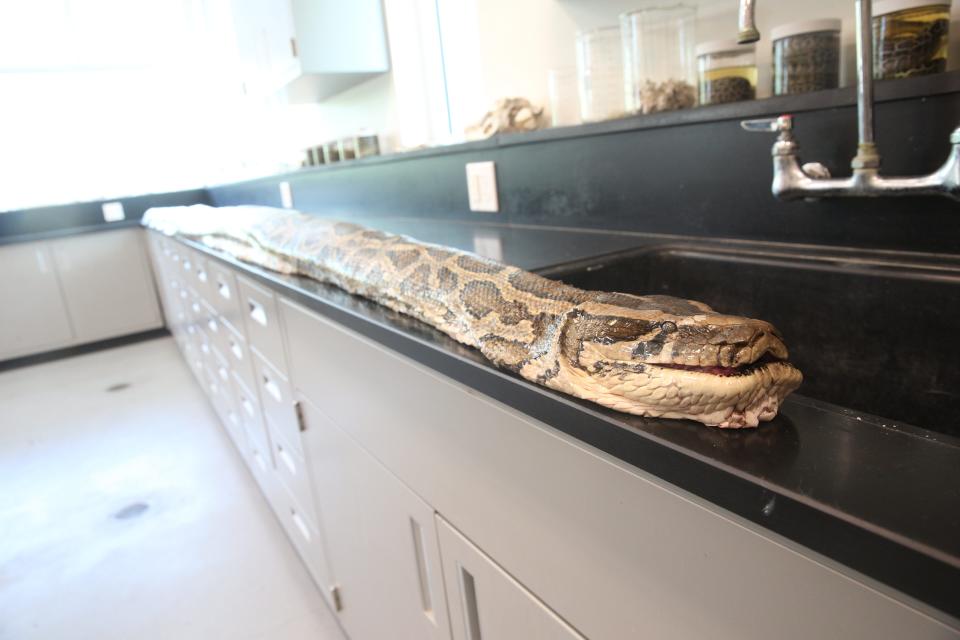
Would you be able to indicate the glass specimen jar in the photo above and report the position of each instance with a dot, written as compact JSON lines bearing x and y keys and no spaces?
{"x":727,"y":71}
{"x":563,"y":97}
{"x":910,"y":38}
{"x":660,"y":69}
{"x":600,"y":74}
{"x":806,"y":56}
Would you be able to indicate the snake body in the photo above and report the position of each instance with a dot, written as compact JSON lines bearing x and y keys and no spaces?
{"x":654,"y":356}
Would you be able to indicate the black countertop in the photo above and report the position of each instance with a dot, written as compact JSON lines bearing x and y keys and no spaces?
{"x":881,"y":499}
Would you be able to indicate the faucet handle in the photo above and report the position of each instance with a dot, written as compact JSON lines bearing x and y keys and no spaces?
{"x":779,"y":124}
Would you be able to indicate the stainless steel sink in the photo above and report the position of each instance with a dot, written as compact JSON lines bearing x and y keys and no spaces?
{"x":877,"y":332}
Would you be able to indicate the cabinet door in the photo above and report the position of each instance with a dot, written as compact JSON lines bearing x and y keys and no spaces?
{"x":381,"y":539}
{"x":107,"y":284}
{"x":486,"y":603}
{"x":266,"y":44}
{"x":33,"y":316}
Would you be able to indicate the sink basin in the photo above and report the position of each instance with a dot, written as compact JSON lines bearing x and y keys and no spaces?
{"x":876,"y":332}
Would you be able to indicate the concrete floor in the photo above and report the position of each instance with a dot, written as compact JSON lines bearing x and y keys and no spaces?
{"x":205,"y":559}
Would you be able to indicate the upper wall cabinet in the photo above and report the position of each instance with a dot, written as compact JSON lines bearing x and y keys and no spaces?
{"x":312,"y":49}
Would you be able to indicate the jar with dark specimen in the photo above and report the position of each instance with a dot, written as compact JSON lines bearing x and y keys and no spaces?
{"x":806,"y":56}
{"x":910,"y":38}
{"x":727,"y":72}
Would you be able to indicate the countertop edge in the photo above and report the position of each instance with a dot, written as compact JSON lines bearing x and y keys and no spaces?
{"x":67,"y":232}
{"x":887,"y":559}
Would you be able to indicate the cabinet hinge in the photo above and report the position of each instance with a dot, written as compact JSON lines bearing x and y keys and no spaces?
{"x":293,"y":47}
{"x":301,"y":423}
{"x":335,"y":596}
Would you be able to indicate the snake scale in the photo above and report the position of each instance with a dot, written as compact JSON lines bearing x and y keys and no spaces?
{"x":654,"y":356}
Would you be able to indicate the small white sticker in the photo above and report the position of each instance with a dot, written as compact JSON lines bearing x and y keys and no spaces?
{"x":286,"y":195}
{"x":482,"y":186}
{"x":113,"y":211}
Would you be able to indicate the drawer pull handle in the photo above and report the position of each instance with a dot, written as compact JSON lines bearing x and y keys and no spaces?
{"x":201,"y":275}
{"x":247,"y":405}
{"x":186,"y":265}
{"x":301,"y":525}
{"x":468,"y":594}
{"x":258,"y":313}
{"x":272,"y":389}
{"x":196,"y":307}
{"x":235,"y":349}
{"x":287,"y":460}
{"x":213,"y":325}
{"x":223,"y":289}
{"x":260,"y":461}
{"x":223,"y":374}
{"x":420,"y":552}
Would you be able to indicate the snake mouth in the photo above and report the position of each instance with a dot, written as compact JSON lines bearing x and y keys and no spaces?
{"x":727,"y":372}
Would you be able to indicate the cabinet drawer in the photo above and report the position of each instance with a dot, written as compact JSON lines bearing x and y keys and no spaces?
{"x":485,"y":602}
{"x":306,"y":540}
{"x":198,"y":310}
{"x":263,"y":326}
{"x":216,"y":331}
{"x":238,"y":353}
{"x":251,"y":415}
{"x":224,"y":295}
{"x":195,"y":361}
{"x":258,"y":461}
{"x":222,"y":372}
{"x":234,"y":424}
{"x":187,"y":265}
{"x":292,"y":472}
{"x":277,"y":399}
{"x":202,"y":283}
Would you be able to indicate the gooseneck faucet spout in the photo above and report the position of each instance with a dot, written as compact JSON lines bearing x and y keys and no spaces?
{"x":792,"y":181}
{"x":748,"y":27}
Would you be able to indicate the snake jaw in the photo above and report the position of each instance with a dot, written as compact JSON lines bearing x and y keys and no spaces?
{"x":723,"y":371}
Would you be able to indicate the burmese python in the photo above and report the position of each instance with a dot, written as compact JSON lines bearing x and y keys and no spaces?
{"x":652,"y":356}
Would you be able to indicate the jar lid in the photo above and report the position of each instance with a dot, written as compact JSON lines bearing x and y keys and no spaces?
{"x":723,"y":46}
{"x":884,"y":7}
{"x":806,"y":26}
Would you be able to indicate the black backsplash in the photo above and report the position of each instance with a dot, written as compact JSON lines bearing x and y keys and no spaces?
{"x":81,"y":216}
{"x":687,"y":173}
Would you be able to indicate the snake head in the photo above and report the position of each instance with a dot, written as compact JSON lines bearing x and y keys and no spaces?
{"x":662,"y":356}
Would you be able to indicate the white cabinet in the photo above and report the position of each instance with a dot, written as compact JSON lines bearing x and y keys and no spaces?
{"x":33,"y":316}
{"x":428,"y":510}
{"x":616,"y":552}
{"x":381,"y":538}
{"x":107,"y":284}
{"x":485,"y":602}
{"x":314,"y":48}
{"x":75,"y":290}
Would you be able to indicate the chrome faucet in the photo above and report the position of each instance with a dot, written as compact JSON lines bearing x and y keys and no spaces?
{"x":812,"y":180}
